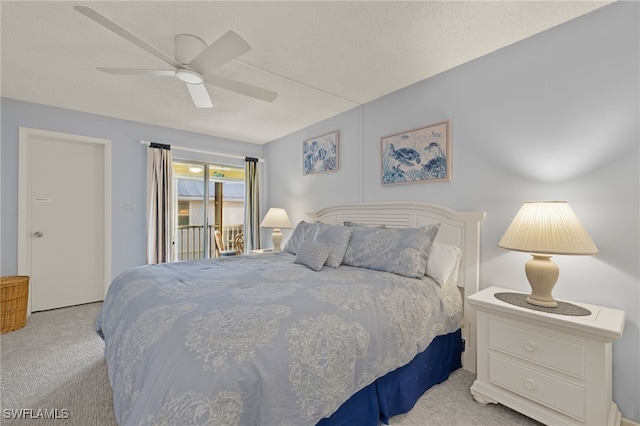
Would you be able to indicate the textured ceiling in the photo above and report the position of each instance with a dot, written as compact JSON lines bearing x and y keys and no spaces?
{"x":322,"y":58}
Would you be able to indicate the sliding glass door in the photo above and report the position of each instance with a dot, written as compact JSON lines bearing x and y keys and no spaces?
{"x":208,"y":199}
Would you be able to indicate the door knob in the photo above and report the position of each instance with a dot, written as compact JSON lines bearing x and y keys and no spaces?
{"x":38,"y":234}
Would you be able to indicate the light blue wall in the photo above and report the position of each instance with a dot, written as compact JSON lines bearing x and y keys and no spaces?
{"x":555,"y":116}
{"x":552,"y":117}
{"x":129,"y":170}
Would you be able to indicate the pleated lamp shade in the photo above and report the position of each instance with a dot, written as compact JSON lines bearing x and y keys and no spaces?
{"x":276,"y":218}
{"x":547,"y":227}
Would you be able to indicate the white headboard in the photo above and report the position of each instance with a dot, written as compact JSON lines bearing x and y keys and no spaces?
{"x":461,"y":229}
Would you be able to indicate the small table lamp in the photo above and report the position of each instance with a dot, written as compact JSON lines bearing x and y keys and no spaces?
{"x":543,"y":229}
{"x":276,"y":218}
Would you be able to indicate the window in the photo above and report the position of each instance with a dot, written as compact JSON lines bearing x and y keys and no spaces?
{"x":183,"y":213}
{"x":204,"y":206}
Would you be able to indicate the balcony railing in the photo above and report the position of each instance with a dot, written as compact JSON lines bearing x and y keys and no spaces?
{"x":190,"y":240}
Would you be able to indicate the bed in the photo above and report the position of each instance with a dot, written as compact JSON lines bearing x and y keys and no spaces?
{"x":309,"y":335}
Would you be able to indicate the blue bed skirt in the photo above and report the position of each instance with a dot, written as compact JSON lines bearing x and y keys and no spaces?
{"x":398,"y":391}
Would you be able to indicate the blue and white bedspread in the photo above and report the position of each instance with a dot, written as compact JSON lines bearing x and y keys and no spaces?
{"x":259,"y":340}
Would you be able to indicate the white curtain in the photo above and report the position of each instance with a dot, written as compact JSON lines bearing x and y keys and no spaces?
{"x":159,"y":181}
{"x":251,"y":205}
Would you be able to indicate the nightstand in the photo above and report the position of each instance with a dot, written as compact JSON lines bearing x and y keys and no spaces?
{"x":553,"y":368}
{"x":267,"y":250}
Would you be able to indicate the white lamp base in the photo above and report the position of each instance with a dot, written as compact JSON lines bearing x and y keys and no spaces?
{"x":542,"y":274}
{"x":276,"y":237}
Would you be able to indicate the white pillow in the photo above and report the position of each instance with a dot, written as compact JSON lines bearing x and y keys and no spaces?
{"x":442,"y":262}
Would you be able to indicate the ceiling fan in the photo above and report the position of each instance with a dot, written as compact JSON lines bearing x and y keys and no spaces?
{"x":193,"y":61}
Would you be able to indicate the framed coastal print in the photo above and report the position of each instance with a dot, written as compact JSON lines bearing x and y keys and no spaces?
{"x":320,"y":154}
{"x":419,"y":155}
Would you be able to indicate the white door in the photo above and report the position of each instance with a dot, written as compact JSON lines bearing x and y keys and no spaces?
{"x":67,"y":219}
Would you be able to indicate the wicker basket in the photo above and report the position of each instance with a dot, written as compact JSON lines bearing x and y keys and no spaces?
{"x":14,"y":293}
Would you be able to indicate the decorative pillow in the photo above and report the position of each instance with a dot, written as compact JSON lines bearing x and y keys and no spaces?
{"x":442,"y":262}
{"x":337,"y":237}
{"x":302,"y":232}
{"x":403,"y":251}
{"x":361,"y":225}
{"x":312,"y":254}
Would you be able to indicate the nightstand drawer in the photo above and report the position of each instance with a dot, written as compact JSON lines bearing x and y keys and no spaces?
{"x":540,"y":348}
{"x":559,"y":395}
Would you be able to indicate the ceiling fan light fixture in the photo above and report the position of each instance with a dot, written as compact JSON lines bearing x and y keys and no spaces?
{"x":189,"y":77}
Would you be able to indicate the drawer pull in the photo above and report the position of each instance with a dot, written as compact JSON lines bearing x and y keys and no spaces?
{"x":530,"y":346}
{"x":530,"y":384}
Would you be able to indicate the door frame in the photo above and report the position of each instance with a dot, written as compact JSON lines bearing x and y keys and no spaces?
{"x":24,"y":198}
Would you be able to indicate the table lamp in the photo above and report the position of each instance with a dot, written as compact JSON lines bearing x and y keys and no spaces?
{"x":544,"y":229}
{"x":276,"y":218}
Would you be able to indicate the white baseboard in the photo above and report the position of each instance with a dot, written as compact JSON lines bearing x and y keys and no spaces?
{"x":627,"y":422}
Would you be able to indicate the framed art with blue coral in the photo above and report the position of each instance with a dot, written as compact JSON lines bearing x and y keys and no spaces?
{"x":418,"y":155}
{"x":320,"y":154}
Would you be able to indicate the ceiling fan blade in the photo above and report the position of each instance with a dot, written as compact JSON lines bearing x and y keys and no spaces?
{"x":200,"y":96}
{"x":110,"y":25}
{"x":242,"y":88}
{"x":225,"y":49}
{"x":133,"y":71}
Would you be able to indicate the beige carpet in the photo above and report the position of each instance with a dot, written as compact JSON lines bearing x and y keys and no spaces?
{"x":56,"y":363}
